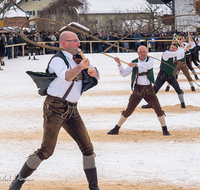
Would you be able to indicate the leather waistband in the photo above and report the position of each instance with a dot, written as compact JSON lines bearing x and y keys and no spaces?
{"x":60,"y":99}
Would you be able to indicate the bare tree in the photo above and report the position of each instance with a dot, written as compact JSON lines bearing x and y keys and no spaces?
{"x":130,"y":20}
{"x":188,"y":7}
{"x":7,"y":6}
{"x":65,"y":11}
{"x":117,"y":21}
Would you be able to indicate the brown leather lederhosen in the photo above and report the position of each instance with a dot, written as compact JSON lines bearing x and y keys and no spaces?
{"x":181,"y":65}
{"x":140,"y":92}
{"x":57,"y":113}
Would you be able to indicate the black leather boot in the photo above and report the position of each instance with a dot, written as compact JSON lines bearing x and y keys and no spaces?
{"x":114,"y":131}
{"x":91,"y":175}
{"x":146,"y":106}
{"x":183,"y":105}
{"x":192,"y":88}
{"x":196,"y":77}
{"x":165,"y":131}
{"x":167,"y":89}
{"x":21,"y":178}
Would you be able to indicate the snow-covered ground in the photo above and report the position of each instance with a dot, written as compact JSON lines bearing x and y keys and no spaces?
{"x":21,"y":111}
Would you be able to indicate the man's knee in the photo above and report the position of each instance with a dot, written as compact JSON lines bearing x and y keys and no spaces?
{"x":87,"y":151}
{"x":127,"y":113}
{"x":158,"y":110}
{"x":160,"y":113}
{"x":43,"y":153}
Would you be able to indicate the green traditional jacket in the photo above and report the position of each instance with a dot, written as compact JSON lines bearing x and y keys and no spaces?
{"x":166,"y":68}
{"x":150,"y":76}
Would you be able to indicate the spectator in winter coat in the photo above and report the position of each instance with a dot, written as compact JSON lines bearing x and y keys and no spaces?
{"x":2,"y":53}
{"x":38,"y":39}
{"x":16,"y":40}
{"x":152,"y":44}
{"x":137,"y":37}
{"x":31,"y":47}
{"x":9,"y":49}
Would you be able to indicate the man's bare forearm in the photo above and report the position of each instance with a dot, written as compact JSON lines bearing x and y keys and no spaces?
{"x":71,"y":74}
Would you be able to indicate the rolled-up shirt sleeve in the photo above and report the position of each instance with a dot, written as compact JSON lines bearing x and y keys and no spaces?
{"x":59,"y":67}
{"x":125,"y":72}
{"x":170,"y":54}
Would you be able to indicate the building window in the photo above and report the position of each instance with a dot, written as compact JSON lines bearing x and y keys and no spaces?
{"x":32,"y":26}
{"x":197,"y":7}
{"x":38,"y":12}
{"x":31,"y":13}
{"x":97,"y":21}
{"x":26,"y":1}
{"x":36,"y":0}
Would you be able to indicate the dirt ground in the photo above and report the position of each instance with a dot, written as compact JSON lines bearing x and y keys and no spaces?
{"x":125,"y":135}
{"x":191,"y":135}
{"x":122,"y":185}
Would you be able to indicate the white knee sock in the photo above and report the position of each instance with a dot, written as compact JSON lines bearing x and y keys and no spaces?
{"x":121,"y":121}
{"x":88,"y":162}
{"x":191,"y":83}
{"x":162,"y":121}
{"x":194,"y":72}
{"x":33,"y":161}
{"x":180,"y":96}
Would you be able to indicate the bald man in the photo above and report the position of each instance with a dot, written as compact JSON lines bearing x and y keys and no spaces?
{"x":142,"y":79}
{"x":60,"y":110}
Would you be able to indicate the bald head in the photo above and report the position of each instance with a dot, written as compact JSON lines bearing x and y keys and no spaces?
{"x":66,"y":35}
{"x":142,"y":48}
{"x":142,"y":52}
{"x":69,"y":41}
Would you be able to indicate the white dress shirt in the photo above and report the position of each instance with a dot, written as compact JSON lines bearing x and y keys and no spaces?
{"x":143,"y":66}
{"x":187,"y":44}
{"x":198,"y":43}
{"x":59,"y":85}
{"x":169,"y":54}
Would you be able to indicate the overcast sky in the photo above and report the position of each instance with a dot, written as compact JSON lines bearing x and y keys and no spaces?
{"x":113,"y":5}
{"x":103,"y":6}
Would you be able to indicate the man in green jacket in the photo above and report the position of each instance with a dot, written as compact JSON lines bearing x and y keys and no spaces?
{"x":166,"y":73}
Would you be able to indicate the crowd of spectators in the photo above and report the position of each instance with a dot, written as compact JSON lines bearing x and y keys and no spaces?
{"x":157,"y":42}
{"x":140,"y":38}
